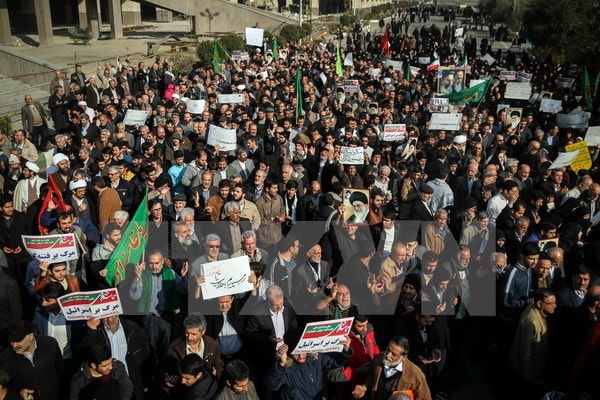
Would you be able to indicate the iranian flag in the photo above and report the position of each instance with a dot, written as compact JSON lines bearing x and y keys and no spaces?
{"x":435,"y":64}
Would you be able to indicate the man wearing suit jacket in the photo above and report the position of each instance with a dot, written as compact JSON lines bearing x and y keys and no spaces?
{"x":310,"y":280}
{"x":420,"y":211}
{"x":35,"y":120}
{"x":230,"y":336}
{"x":78,"y":77}
{"x":231,"y":227}
{"x":466,"y":185}
{"x":267,"y":325}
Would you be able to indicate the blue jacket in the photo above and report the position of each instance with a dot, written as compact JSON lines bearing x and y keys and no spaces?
{"x":305,"y":381}
{"x":516,"y":292}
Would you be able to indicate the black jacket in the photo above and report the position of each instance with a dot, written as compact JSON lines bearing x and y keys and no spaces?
{"x":43,"y":375}
{"x":137,"y":351}
{"x":85,"y":387}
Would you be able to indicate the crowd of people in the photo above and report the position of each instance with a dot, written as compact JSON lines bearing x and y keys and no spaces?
{"x":449,"y":248}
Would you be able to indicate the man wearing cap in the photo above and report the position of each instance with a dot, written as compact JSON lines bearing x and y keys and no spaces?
{"x":33,"y":362}
{"x":421,"y":211}
{"x":28,"y":189}
{"x":35,"y":121}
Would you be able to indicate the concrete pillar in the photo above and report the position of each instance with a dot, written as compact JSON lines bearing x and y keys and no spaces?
{"x":44,"y":22}
{"x":92,"y":17}
{"x":5,"y":35}
{"x":163,"y":15}
{"x":116,"y":21}
{"x":82,"y":14}
{"x":132,"y":12}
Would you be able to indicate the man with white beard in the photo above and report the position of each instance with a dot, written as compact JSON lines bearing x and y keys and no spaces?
{"x":360,"y":207}
{"x":183,"y":249}
{"x":392,"y":371}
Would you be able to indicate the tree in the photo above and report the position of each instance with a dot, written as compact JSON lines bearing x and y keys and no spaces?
{"x":564,"y":29}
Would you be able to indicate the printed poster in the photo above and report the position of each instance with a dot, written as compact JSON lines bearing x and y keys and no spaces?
{"x":85,"y":305}
{"x":323,"y":336}
{"x":51,"y":248}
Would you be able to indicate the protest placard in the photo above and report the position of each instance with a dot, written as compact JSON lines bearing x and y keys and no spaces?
{"x":575,"y":119}
{"x":135,"y":117}
{"x":352,"y":155}
{"x":225,"y":277}
{"x":515,"y":48}
{"x":51,"y":248}
{"x":323,"y":336}
{"x":458,"y":32}
{"x":564,"y":82}
{"x":506,"y":75}
{"x":445,"y":122}
{"x":374,"y":71}
{"x":490,"y":60}
{"x":254,"y":36}
{"x":351,"y":86}
{"x":396,"y":65}
{"x":524,"y":76}
{"x":518,"y":90}
{"x":394,"y":132}
{"x":592,"y":137}
{"x":424,"y":60}
{"x":349,"y":59}
{"x":550,"y":106}
{"x":583,"y":159}
{"x":85,"y":305}
{"x":230,"y":98}
{"x":195,"y":106}
{"x":475,"y":82}
{"x":239,"y":55}
{"x":563,"y":160}
{"x":439,"y":105}
{"x":226,"y":139}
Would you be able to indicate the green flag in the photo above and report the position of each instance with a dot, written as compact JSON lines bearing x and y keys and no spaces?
{"x":275,"y":49}
{"x":596,"y":83}
{"x":131,"y":247}
{"x":474,"y":93}
{"x":339,"y":70}
{"x":298,"y":90}
{"x":464,"y":62}
{"x":217,"y":57}
{"x":587,"y":90}
{"x":409,"y":74}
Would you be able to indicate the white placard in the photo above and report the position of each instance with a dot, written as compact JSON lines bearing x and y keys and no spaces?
{"x":135,"y":117}
{"x":564,"y":159}
{"x":352,"y":155}
{"x":195,"y":106}
{"x":396,"y":65}
{"x":239,"y":55}
{"x":85,"y":305}
{"x":524,"y":76}
{"x":439,"y":105}
{"x":474,"y":82}
{"x":226,"y":139}
{"x":374,"y":71}
{"x":351,"y":86}
{"x":348,"y":60}
{"x":445,"y":122}
{"x":51,"y":248}
{"x":254,"y":36}
{"x":424,"y":60}
{"x":575,"y":119}
{"x":490,"y":60}
{"x":592,"y":137}
{"x":506,"y":75}
{"x":459,"y":32}
{"x":394,"y":132}
{"x":550,"y":106}
{"x":323,"y":77}
{"x":518,"y":90}
{"x":225,"y":277}
{"x":501,"y":107}
{"x":323,"y":336}
{"x":230,"y":98}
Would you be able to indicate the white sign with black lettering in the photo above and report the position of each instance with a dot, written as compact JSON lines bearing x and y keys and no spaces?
{"x":550,"y":106}
{"x":352,"y":155}
{"x":592,"y":137}
{"x":195,"y":106}
{"x":518,"y":90}
{"x":230,"y":98}
{"x":226,"y":139}
{"x":445,"y":122}
{"x":254,"y":36}
{"x":135,"y":117}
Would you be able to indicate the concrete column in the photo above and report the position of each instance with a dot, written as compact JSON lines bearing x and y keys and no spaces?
{"x":116,"y":21}
{"x":82,"y":14}
{"x":5,"y":35}
{"x":163,"y":15}
{"x":44,"y":22}
{"x":132,"y":12}
{"x":92,"y":17}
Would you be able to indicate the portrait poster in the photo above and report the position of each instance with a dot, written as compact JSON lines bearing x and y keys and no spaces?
{"x":513,"y":117}
{"x":356,"y":202}
{"x":452,"y":80}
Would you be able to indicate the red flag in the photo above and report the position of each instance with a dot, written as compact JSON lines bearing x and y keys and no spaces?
{"x":384,"y":44}
{"x":55,"y":196}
